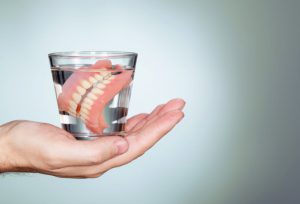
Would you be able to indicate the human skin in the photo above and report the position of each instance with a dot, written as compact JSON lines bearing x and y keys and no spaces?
{"x":27,"y":146}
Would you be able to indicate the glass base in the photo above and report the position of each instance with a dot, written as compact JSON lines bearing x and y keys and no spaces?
{"x":87,"y":136}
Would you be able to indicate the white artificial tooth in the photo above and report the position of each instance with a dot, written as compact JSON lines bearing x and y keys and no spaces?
{"x":92,"y":96}
{"x":100,"y":86}
{"x":84,"y":110}
{"x":76,"y":97}
{"x":107,"y":76}
{"x":86,"y":106}
{"x":73,"y":105}
{"x":98,"y":77}
{"x":104,"y":73}
{"x":97,"y":91}
{"x":88,"y":101}
{"x":86,"y":84}
{"x":92,"y":80}
{"x":81,"y":90}
{"x":84,"y":117}
{"x":106,"y":82}
{"x":72,"y":112}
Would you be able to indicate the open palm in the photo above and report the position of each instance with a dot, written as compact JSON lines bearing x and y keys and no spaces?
{"x":39,"y":147}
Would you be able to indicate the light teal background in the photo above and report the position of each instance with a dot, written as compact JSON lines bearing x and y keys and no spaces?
{"x":236,"y":63}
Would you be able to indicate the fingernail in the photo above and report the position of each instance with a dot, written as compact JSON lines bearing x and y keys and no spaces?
{"x":183,"y":104}
{"x":121,"y":145}
{"x":177,"y":99}
{"x":180,"y":102}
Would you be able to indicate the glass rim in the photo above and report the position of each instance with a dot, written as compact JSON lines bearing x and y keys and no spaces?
{"x":93,"y":54}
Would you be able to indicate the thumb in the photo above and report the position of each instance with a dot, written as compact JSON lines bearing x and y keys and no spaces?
{"x":92,"y":152}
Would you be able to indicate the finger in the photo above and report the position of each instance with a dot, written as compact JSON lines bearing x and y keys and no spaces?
{"x":142,"y":140}
{"x":90,"y":152}
{"x":154,"y":131}
{"x":155,"y":111}
{"x":75,"y":172}
{"x":174,"y":104}
{"x":151,"y":115}
{"x":134,"y":120}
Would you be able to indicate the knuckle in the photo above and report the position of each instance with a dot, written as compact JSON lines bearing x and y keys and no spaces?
{"x":96,"y":157}
{"x":94,"y":160}
{"x":95,"y":175}
{"x":91,"y":174}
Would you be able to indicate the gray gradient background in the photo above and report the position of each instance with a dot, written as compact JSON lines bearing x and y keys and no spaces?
{"x":236,"y":63}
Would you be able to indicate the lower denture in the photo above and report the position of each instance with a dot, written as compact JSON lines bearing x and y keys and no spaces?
{"x":87,"y":91}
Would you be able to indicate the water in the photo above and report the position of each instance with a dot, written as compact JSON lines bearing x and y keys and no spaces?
{"x":111,"y":103}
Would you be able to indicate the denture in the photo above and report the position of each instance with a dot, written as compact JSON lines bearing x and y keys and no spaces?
{"x":86,"y":92}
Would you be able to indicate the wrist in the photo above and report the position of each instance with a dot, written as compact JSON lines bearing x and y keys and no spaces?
{"x":11,"y":159}
{"x":5,"y":165}
{"x":6,"y":161}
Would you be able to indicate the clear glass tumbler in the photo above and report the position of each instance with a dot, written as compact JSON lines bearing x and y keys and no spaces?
{"x":93,"y":91}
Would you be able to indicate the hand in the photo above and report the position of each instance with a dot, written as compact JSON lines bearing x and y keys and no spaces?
{"x":27,"y":146}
